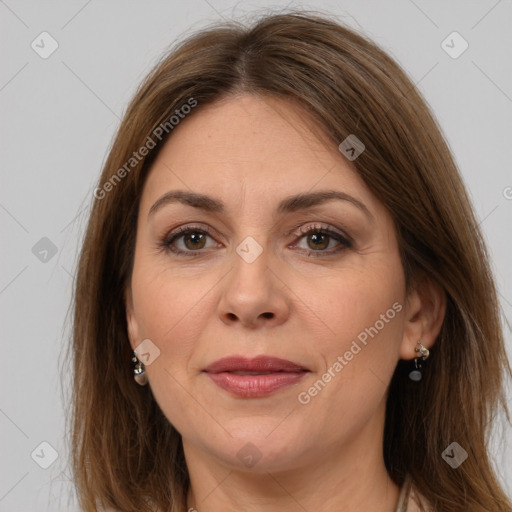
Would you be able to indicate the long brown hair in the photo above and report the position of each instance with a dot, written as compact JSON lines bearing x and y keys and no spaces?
{"x":126,"y":455}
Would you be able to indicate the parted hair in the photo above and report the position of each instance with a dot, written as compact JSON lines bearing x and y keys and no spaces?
{"x":126,"y":455}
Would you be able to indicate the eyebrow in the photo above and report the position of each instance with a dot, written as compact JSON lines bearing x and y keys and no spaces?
{"x":289,"y":204}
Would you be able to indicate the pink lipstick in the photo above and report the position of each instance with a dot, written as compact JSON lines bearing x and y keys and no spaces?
{"x":254,"y":378}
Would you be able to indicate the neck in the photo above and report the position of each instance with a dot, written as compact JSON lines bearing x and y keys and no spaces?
{"x":349,"y":478}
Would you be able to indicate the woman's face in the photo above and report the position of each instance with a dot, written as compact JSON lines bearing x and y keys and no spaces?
{"x":268,"y":268}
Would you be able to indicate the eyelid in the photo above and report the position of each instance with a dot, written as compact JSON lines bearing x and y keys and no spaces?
{"x":316,"y":226}
{"x":175,"y":232}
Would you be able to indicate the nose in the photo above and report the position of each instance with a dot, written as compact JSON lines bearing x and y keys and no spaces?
{"x":253,"y":294}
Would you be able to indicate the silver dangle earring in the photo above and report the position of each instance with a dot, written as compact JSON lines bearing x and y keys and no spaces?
{"x":139,"y":371}
{"x":423,"y":352}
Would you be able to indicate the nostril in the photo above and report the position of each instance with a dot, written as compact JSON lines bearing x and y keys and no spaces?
{"x":268,"y":315}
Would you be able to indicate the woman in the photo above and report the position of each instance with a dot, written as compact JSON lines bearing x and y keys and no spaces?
{"x":282,"y":253}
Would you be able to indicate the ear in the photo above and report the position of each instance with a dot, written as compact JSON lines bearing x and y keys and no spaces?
{"x":131,"y":322}
{"x":424,"y":314}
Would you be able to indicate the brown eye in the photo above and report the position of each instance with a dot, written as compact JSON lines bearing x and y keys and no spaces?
{"x":189,"y":241}
{"x":194,"y":240}
{"x":318,"y":241}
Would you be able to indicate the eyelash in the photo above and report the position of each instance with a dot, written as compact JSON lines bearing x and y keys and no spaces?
{"x":167,"y":243}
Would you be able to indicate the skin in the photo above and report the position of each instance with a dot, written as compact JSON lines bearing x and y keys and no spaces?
{"x":294,"y":301}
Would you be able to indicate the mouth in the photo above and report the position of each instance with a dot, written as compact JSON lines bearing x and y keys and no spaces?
{"x":254,"y":378}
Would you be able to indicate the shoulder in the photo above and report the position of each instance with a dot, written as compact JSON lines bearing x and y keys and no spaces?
{"x":418,"y":503}
{"x":411,"y":500}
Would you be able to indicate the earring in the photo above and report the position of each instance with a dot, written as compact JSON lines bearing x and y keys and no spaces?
{"x":139,"y":372}
{"x":423,"y":352}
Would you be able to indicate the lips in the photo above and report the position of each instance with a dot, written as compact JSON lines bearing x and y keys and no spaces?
{"x":254,"y":378}
{"x":260,"y":364}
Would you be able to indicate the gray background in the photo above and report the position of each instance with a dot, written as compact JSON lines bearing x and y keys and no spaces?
{"x":59,"y":115}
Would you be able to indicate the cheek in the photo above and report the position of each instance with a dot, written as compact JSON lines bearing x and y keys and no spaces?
{"x":356,"y":305}
{"x":365,"y":320}
{"x":171,"y":311}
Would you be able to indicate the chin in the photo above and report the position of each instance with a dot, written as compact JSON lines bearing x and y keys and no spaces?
{"x":260,"y":447}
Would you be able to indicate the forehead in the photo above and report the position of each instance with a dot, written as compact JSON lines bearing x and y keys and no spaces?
{"x":260,"y":147}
